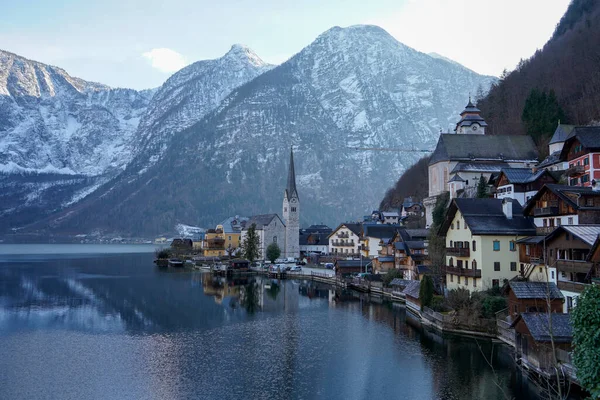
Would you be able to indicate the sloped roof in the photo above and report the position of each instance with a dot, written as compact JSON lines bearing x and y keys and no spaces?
{"x":456,"y":178}
{"x":351,"y":263}
{"x":539,"y":326}
{"x":588,"y":136}
{"x":535,"y":290}
{"x":233,"y":224}
{"x":561,"y":133}
{"x":390,"y":214}
{"x":290,"y":189}
{"x":587,"y":233}
{"x":485,"y":217}
{"x":423,"y":269}
{"x":532,"y":240}
{"x":317,"y":239}
{"x":353,"y":227}
{"x":380,"y":231}
{"x":417,"y":233}
{"x":415,"y":244}
{"x":318,"y":229}
{"x":522,"y":175}
{"x":400,"y":282}
{"x":552,"y":159}
{"x":412,"y":289}
{"x":261,"y":220}
{"x":472,"y":148}
{"x":478,"y":167}
{"x":400,"y":246}
{"x":386,"y":259}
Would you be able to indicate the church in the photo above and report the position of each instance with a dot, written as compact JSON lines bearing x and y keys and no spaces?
{"x":272,"y":229}
{"x":463,"y":156}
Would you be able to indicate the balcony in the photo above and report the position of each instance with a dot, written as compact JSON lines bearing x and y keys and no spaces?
{"x":342,"y":243}
{"x":474,"y":273}
{"x":541,"y":211}
{"x":576,"y":266}
{"x":458,"y":251}
{"x":575,"y":170}
{"x":343,"y":235}
{"x":544,"y":230}
{"x":572,"y":286}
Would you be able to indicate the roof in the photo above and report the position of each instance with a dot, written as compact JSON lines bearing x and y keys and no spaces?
{"x":472,"y":148}
{"x":552,"y":159}
{"x":532,"y":240}
{"x":456,"y":178}
{"x":233,"y":224}
{"x":386,"y":259}
{"x":522,"y":175}
{"x":400,"y":282}
{"x":380,"y":231}
{"x":535,"y":290}
{"x":587,"y":233}
{"x":478,"y":167}
{"x":539,"y":326}
{"x":390,"y":214}
{"x":317,"y":238}
{"x":408,"y":202}
{"x":485,"y":217}
{"x":400,"y":246}
{"x":423,"y":269}
{"x":417,"y":233}
{"x":569,"y":194}
{"x":415,"y":244}
{"x":354,"y":228}
{"x":351,"y":263}
{"x":290,"y":189}
{"x":318,"y":229}
{"x":412,"y":289}
{"x":561,"y":133}
{"x":261,"y":220}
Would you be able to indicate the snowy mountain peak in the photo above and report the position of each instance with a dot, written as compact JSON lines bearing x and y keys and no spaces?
{"x":244,"y":53}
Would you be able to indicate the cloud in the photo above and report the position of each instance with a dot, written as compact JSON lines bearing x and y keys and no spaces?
{"x":165,"y":60}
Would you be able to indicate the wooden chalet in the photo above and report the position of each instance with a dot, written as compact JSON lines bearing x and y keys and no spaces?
{"x":526,"y":296}
{"x":582,"y":151}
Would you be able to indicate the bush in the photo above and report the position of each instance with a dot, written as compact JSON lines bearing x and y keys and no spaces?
{"x":586,"y":325}
{"x":426,"y":291}
{"x":491,"y":305}
{"x":459,"y":299}
{"x":162,"y":253}
{"x":438,"y":304}
{"x":392,"y":274}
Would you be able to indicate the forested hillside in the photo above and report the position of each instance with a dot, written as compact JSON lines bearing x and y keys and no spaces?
{"x":413,"y":182}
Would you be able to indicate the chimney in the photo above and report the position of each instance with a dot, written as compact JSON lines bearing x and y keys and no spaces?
{"x":507,"y":208}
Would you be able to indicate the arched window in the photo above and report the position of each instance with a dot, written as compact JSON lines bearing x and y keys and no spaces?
{"x":474,"y":264}
{"x":451,"y":262}
{"x":274,"y":239}
{"x":457,"y":224}
{"x":451,"y":243}
{"x":474,"y":246}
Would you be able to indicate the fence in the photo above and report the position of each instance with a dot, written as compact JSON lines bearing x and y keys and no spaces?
{"x":456,"y":322}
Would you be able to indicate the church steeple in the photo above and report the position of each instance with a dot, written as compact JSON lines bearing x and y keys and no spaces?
{"x":471,"y":121}
{"x":290,"y":189}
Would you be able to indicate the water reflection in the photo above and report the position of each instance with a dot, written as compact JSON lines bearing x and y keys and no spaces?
{"x":127,"y":327}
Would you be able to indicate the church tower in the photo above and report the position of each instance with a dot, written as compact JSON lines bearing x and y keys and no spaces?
{"x":291,"y":214}
{"x":471,"y":122}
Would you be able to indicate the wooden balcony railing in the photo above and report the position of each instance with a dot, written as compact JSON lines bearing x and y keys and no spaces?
{"x":458,"y":252}
{"x":576,"y":266}
{"x":572,"y":286}
{"x":475,"y":273}
{"x":575,"y":170}
{"x":538,"y":212}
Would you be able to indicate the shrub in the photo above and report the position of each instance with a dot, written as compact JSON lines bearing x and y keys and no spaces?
{"x":426,"y":291}
{"x":438,"y":304}
{"x":459,"y":299}
{"x":491,"y":305}
{"x":586,"y":325}
{"x":162,"y":253}
{"x":392,"y":274}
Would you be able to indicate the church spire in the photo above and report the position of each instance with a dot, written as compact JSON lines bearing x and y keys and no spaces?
{"x":290,"y":189}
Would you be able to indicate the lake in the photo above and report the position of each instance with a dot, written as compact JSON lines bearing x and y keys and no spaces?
{"x":103,"y":322}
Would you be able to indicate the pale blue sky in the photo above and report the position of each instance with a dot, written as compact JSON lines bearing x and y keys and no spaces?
{"x":105,"y":41}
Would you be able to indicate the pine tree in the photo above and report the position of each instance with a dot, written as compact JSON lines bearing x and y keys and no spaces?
{"x":541,"y":114}
{"x":586,"y":325}
{"x":251,"y":245}
{"x":482,"y":188}
{"x":426,"y":291}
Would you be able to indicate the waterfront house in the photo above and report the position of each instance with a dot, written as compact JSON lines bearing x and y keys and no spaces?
{"x":534,"y":333}
{"x":532,"y":260}
{"x":214,"y":243}
{"x":182,"y":245}
{"x":269,"y":228}
{"x":411,"y":294}
{"x":315,"y":240}
{"x":526,"y":296}
{"x":409,"y":249}
{"x":481,"y":236}
{"x":569,"y":248}
{"x":554,"y":205}
{"x":371,"y":240}
{"x":469,"y":153}
{"x":231,"y":229}
{"x":581,"y":150}
{"x":344,"y":268}
{"x":345,"y":239}
{"x":520,"y":184}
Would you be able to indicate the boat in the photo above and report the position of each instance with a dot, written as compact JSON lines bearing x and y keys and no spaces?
{"x":175,"y":262}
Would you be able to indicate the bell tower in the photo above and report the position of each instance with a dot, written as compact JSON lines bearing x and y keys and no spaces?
{"x":471,"y":122}
{"x":291,"y":213}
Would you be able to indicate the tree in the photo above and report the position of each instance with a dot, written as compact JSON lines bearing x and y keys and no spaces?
{"x":426,"y":291}
{"x":586,"y":339}
{"x":436,"y":246}
{"x":251,"y":245}
{"x":482,"y":188}
{"x":439,"y":211}
{"x":541,"y":113}
{"x":273,"y":252}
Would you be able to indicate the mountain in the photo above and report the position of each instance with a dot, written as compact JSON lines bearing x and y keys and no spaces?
{"x":61,"y":137}
{"x":352,"y":87}
{"x":567,"y":65}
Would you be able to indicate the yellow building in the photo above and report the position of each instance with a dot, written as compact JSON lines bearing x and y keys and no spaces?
{"x":232,"y":239}
{"x":481,"y":236}
{"x":214,"y":243}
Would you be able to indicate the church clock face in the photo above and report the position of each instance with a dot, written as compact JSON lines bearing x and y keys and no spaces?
{"x":474,"y":127}
{"x":293,"y":200}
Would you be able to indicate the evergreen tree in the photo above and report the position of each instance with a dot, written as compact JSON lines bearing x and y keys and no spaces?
{"x":273,"y":252}
{"x":251,"y":245}
{"x":426,"y":291}
{"x":541,"y":113}
{"x":482,"y":188}
{"x":586,"y":339}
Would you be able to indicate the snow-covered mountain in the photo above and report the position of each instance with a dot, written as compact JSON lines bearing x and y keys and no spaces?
{"x":353,"y":87}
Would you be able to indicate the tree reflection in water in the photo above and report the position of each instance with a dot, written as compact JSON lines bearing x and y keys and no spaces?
{"x":249,"y":297}
{"x":274,"y":290}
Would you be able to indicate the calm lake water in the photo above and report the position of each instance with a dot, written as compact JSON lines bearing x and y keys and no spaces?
{"x":103,"y":322}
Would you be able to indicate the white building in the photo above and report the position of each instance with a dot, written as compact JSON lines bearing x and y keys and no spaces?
{"x":291,"y":214}
{"x":270,"y":229}
{"x":345,"y":239}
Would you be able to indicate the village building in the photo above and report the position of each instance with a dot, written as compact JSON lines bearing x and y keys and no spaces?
{"x":520,"y":184}
{"x":314,"y":243}
{"x":569,"y":248}
{"x":345,"y":240}
{"x":554,"y":205}
{"x":554,"y":162}
{"x":411,"y":207}
{"x":535,"y":332}
{"x":213,"y":244}
{"x":231,"y":229}
{"x":532,"y":261}
{"x":581,"y":151}
{"x":290,"y":247}
{"x":411,"y":296}
{"x":372,"y":234}
{"x":481,"y":236}
{"x":462,"y":157}
{"x":409,"y":250}
{"x":526,"y":296}
{"x":182,"y":245}
{"x":390,"y":217}
{"x":345,"y":268}
{"x":269,"y":228}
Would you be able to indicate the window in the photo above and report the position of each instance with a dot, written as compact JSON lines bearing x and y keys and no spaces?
{"x":512,"y":246}
{"x":452,"y":225}
{"x":230,"y":238}
{"x":569,"y":303}
{"x":496,"y":245}
{"x":451,"y":243}
{"x":467,"y":281}
{"x":274,"y":239}
{"x":459,"y":263}
{"x":451,"y":278}
{"x":474,"y":264}
{"x":585,"y":178}
{"x":570,"y":220}
{"x":541,"y":270}
{"x":466,"y":245}
{"x":293,"y":209}
{"x":558,"y":222}
{"x":545,"y":222}
{"x":513,"y":266}
{"x":552,"y":274}
{"x":496,"y":266}
{"x":586,"y":161}
{"x":527,"y":250}
{"x":474,"y":245}
{"x":284,"y":209}
{"x":573,"y":181}
{"x":457,"y":224}
{"x":451,"y":262}
{"x":495,"y":283}
{"x":589,"y":202}
{"x":567,"y":236}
